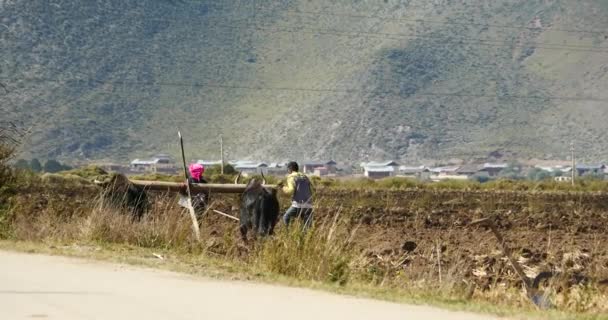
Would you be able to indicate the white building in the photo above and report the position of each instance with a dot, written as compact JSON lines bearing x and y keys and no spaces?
{"x":209,"y":163}
{"x":377,"y":170}
{"x":250,"y":167}
{"x":160,"y":163}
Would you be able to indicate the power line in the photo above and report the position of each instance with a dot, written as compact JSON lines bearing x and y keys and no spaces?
{"x":265,"y":88}
{"x":397,"y":36}
{"x":358,"y":16}
{"x":260,"y":9}
{"x":401,"y":36}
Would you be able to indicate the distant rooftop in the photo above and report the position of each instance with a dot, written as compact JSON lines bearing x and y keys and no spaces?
{"x":380,"y":169}
{"x":406,"y":169}
{"x":249,"y":165}
{"x":144,"y":162}
{"x":495,"y":165}
{"x":379,"y":164}
{"x":445,"y":169}
{"x":320,"y":163}
{"x":209,"y":162}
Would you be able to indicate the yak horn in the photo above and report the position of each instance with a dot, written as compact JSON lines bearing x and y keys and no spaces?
{"x":263,"y":178}
{"x":236,"y":180}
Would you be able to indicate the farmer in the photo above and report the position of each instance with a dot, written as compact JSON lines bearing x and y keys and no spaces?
{"x":199,"y":200}
{"x":299,"y":186}
{"x":196,"y":173}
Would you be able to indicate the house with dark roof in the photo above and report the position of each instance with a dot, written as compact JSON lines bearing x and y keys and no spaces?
{"x":325,"y":166}
{"x":446,"y":173}
{"x":161,"y":163}
{"x":493,"y":169}
{"x":469,"y":170}
{"x":586,"y":169}
{"x":420,"y":172}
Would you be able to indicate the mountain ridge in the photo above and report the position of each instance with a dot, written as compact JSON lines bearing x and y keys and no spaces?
{"x":349,"y":80}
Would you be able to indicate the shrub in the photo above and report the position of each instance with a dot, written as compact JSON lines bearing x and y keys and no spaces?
{"x":6,"y":180}
{"x":159,"y":177}
{"x":6,"y":172}
{"x":358,"y":183}
{"x":397,"y":183}
{"x":216,"y":169}
{"x":322,"y":253}
{"x":35,"y":165}
{"x":22,"y":164}
{"x":54,"y":166}
{"x":88,"y":172}
{"x":220,"y":178}
{"x":455,"y":185}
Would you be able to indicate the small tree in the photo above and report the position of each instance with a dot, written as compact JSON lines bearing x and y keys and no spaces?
{"x":481,"y":178}
{"x":592,"y":175}
{"x":537,"y":174}
{"x":22,"y":164}
{"x":35,"y":165}
{"x":10,"y":138}
{"x":52,"y":166}
{"x":65,"y":167}
{"x":513,"y":171}
{"x":216,"y":169}
{"x":6,"y":153}
{"x":229,"y":169}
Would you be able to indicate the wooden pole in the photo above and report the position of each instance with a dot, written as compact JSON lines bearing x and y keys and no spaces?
{"x":222,"y":153}
{"x":573,"y":163}
{"x":505,"y":251}
{"x":226,"y":215}
{"x":197,"y":232}
{"x":194,"y":187}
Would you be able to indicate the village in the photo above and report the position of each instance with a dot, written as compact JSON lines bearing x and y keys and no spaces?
{"x":483,"y":171}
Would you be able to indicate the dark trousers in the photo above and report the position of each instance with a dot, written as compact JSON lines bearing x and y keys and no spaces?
{"x":305,"y":214}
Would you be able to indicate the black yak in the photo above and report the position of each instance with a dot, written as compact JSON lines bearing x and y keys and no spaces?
{"x":259,"y":208}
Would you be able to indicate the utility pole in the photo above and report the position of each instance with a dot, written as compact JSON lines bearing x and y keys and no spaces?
{"x":573,"y":162}
{"x":222,"y":154}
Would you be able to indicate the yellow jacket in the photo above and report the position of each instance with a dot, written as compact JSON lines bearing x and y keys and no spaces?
{"x":299,"y":186}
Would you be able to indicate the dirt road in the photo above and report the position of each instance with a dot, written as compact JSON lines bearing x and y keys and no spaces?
{"x":44,"y":287}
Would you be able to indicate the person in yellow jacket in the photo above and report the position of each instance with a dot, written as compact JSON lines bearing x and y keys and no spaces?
{"x":299,"y":187}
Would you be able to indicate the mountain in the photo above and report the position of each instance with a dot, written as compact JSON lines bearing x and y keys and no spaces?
{"x":350,"y":80}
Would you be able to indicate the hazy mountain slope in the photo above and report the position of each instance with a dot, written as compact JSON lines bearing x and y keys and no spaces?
{"x":407,"y":122}
{"x":392,"y":79}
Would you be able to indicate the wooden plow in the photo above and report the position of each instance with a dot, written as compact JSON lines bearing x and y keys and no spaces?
{"x":162,"y":186}
{"x":531,"y":285}
{"x":182,"y":187}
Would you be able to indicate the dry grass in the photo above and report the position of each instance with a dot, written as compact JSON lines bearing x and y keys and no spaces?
{"x":325,"y":254}
{"x":165,"y":227}
{"x":331,"y":252}
{"x":322,"y":253}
